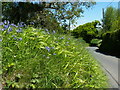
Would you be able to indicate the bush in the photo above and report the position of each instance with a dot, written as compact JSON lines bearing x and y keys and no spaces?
{"x":34,"y":58}
{"x":95,"y":42}
{"x":111,"y":42}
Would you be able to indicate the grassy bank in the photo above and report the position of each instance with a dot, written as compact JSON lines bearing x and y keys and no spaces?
{"x":35,"y":58}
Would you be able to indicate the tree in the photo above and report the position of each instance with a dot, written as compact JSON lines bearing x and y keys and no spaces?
{"x":62,"y":12}
{"x":111,"y":32}
{"x":19,"y":11}
{"x":87,"y":31}
{"x":110,"y":19}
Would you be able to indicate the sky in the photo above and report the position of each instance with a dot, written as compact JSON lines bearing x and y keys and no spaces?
{"x":94,"y":13}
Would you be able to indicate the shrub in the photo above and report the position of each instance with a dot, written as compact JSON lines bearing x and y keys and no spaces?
{"x":95,"y":42}
{"x":111,"y":42}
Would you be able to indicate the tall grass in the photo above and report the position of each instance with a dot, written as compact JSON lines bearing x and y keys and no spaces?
{"x":35,"y":58}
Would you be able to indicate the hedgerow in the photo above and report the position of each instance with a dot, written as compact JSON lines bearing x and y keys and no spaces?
{"x":111,"y":43}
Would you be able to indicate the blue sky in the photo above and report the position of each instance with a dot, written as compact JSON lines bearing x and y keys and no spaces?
{"x":94,"y":13}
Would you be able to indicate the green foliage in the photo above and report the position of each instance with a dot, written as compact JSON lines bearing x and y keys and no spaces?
{"x":111,"y":19}
{"x":95,"y":42}
{"x":111,"y":42}
{"x":111,"y":32}
{"x":88,"y":31}
{"x":19,"y":11}
{"x":33,"y":58}
{"x":48,"y":15}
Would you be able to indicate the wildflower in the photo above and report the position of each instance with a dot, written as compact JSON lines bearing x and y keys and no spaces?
{"x":5,"y":22}
{"x":0,"y":40}
{"x":6,"y":26}
{"x":15,"y":38}
{"x":47,"y":48}
{"x":20,"y":24}
{"x":54,"y":31}
{"x":13,"y":35}
{"x":10,"y":29}
{"x":31,"y":23}
{"x":1,"y":23}
{"x":13,"y":25}
{"x":2,"y":29}
{"x":8,"y":22}
{"x":67,"y":42}
{"x":46,"y":30}
{"x":56,"y":41}
{"x":24,"y":24}
{"x":68,"y":38}
{"x":20,"y":39}
{"x":54,"y":53}
{"x":19,"y":30}
{"x":62,"y":37}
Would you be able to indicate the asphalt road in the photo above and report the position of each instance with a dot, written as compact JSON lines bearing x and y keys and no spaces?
{"x":109,"y":64}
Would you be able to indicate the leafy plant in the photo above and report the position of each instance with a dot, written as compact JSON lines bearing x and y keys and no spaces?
{"x":111,"y":43}
{"x":95,"y":42}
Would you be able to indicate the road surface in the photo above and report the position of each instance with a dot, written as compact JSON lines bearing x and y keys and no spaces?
{"x":109,"y":64}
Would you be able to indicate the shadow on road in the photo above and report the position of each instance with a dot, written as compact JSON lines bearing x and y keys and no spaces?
{"x":108,"y":53}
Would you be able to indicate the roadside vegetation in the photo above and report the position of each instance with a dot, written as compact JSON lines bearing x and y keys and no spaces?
{"x":111,"y":32}
{"x":106,"y":37}
{"x":36,"y":58}
{"x":38,"y":50}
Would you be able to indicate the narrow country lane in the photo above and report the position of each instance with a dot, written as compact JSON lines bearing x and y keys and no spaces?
{"x":109,"y":65}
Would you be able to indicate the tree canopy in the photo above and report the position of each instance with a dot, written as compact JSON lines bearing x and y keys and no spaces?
{"x":44,"y":13}
{"x":111,"y":19}
{"x":88,"y":31}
